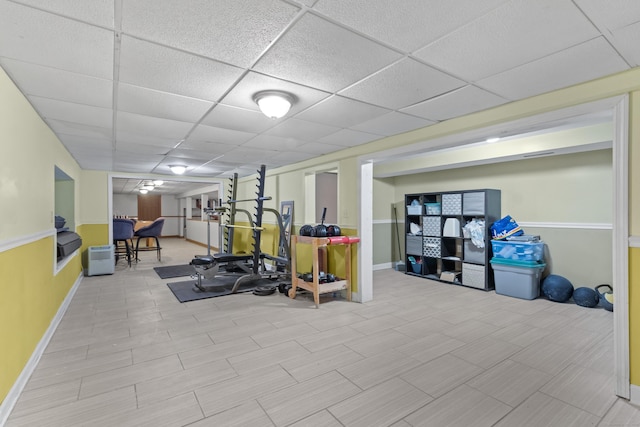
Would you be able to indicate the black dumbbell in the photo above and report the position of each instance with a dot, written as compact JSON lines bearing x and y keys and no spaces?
{"x":333,"y":230}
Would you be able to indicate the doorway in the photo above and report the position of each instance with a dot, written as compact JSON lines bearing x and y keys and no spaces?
{"x":327,"y":197}
{"x":619,"y":106}
{"x":149,"y":207}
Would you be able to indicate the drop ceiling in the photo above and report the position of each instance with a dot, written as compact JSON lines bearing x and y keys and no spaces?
{"x":172,"y":187}
{"x":133,"y":86}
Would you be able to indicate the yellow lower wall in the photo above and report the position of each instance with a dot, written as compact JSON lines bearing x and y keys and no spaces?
{"x":243,"y":243}
{"x":30,"y":296}
{"x":335,"y":259}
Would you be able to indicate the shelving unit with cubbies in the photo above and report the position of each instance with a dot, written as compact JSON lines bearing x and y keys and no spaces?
{"x":436,"y":245}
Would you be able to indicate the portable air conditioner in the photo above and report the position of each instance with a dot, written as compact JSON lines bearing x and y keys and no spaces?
{"x":101,"y":260}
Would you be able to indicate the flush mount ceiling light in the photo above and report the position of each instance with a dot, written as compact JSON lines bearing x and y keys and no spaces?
{"x":493,"y":139}
{"x":148,"y":187}
{"x":143,"y":191}
{"x":178,"y":169}
{"x":273,"y":104}
{"x":158,"y":182}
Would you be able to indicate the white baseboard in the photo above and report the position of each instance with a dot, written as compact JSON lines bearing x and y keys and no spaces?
{"x":634,"y":395}
{"x":382,"y":266}
{"x":356,"y":297}
{"x":9,"y":402}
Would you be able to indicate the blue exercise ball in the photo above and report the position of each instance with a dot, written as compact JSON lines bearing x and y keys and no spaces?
{"x":557,"y":288}
{"x":586,"y":297}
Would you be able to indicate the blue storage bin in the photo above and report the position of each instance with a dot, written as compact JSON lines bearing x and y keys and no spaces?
{"x":517,"y":251}
{"x":433,"y":208}
{"x":414,"y":210}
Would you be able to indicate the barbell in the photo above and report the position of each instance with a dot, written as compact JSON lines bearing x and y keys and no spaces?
{"x":246,"y":227}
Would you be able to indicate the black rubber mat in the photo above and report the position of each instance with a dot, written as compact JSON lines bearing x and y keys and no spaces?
{"x":171,"y":271}
{"x":220,"y":286}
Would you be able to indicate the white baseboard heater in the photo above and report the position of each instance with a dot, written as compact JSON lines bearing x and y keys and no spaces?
{"x":101,"y":260}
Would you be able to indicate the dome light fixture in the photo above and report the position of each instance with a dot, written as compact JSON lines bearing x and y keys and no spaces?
{"x":148,"y":187}
{"x":143,"y":191}
{"x":273,"y":103}
{"x":158,"y":182}
{"x":178,"y":169}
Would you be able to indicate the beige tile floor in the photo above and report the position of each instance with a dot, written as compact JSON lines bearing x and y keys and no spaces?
{"x":423,"y":353}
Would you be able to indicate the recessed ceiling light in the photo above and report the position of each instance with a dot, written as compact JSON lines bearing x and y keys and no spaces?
{"x":143,"y":191}
{"x":158,"y":182}
{"x":494,"y":139}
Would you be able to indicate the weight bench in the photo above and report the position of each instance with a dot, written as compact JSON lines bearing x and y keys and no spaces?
{"x":210,"y":266}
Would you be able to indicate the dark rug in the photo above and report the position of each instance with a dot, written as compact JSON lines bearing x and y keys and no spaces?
{"x":220,"y":286}
{"x":171,"y":271}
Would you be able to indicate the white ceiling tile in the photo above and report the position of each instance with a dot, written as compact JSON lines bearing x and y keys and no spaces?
{"x":275,"y":143}
{"x":581,"y":63}
{"x":152,"y":126}
{"x":341,"y":112}
{"x":319,"y":148}
{"x":132,"y":168}
{"x":459,"y":102}
{"x":61,"y":55}
{"x":224,"y":116}
{"x":144,"y":139}
{"x":308,"y":3}
{"x":626,"y":41}
{"x":348,"y":138}
{"x":128,"y":147}
{"x":209,"y":147}
{"x":607,"y":14}
{"x":126,"y":158}
{"x":215,"y":134}
{"x":392,"y":124}
{"x":514,"y":34}
{"x":101,"y":155}
{"x":285,"y":158}
{"x":320,"y":54}
{"x":246,"y":169}
{"x":402,"y":84}
{"x":168,"y":70}
{"x":91,"y":154}
{"x":43,"y":38}
{"x":83,"y":142}
{"x":242,"y":94}
{"x":236,"y":32}
{"x":98,"y":12}
{"x":211,"y":169}
{"x":195,"y":155}
{"x":246,"y":155}
{"x":53,"y":83}
{"x":300,"y":129}
{"x":99,"y":162}
{"x":70,"y":112}
{"x":148,"y":102}
{"x":409,"y":26}
{"x":70,"y":128}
